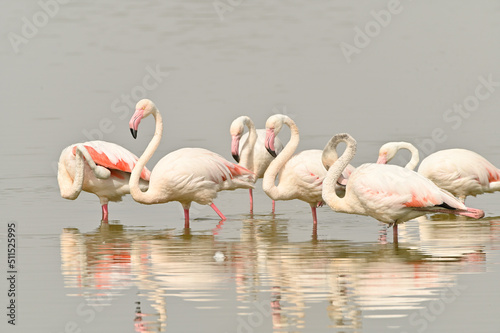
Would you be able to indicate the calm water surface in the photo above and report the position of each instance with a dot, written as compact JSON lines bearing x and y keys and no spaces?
{"x":250,"y":276}
{"x":77,"y":78}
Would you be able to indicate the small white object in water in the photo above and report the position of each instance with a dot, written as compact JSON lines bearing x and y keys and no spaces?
{"x":219,"y":256}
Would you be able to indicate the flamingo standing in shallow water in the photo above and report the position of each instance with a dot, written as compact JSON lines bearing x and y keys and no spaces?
{"x":184,"y":175}
{"x":248,"y":149}
{"x":461,"y":172}
{"x":388,"y":193}
{"x":301,"y":175}
{"x":106,"y":173}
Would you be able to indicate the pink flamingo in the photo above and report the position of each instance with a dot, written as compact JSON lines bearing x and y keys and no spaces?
{"x":301,"y":175}
{"x":184,"y":175}
{"x":106,"y":173}
{"x":461,"y":172}
{"x":388,"y":193}
{"x":248,"y":149}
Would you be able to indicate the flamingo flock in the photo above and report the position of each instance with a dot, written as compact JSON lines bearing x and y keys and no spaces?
{"x":388,"y":193}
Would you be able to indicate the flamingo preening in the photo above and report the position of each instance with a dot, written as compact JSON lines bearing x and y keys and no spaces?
{"x":388,"y":193}
{"x":461,"y":172}
{"x":387,"y":152}
{"x":248,"y":149}
{"x":184,"y":175}
{"x":98,"y":167}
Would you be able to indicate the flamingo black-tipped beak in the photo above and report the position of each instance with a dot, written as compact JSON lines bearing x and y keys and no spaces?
{"x":235,"y":147}
{"x":272,"y":152}
{"x":134,"y":122}
{"x":269,"y":142}
{"x":134,"y":133}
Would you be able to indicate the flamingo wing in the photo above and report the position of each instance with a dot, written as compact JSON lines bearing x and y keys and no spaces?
{"x":204,"y":164}
{"x":113,"y":156}
{"x":477,"y":165}
{"x":303,"y":174}
{"x":460,"y":171}
{"x":388,"y":187}
{"x":221,"y":169}
{"x":309,"y":177}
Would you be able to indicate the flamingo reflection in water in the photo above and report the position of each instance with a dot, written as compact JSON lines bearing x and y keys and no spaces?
{"x":447,"y":236}
{"x":359,"y":280}
{"x":272,"y":276}
{"x":105,"y":262}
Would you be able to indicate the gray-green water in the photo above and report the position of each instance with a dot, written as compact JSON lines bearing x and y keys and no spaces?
{"x":429,"y":74}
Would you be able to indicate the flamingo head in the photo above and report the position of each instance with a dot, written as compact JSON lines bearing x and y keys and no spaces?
{"x":143,"y":108}
{"x":387,"y":152}
{"x":236,"y":130}
{"x":273,"y":127}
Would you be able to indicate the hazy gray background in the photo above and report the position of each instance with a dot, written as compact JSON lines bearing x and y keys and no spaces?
{"x":264,"y":57}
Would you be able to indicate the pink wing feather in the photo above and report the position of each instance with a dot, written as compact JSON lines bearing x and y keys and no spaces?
{"x":113,"y":156}
{"x":398,"y":186}
{"x":235,"y":170}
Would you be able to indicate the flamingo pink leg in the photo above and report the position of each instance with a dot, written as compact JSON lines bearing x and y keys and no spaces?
{"x":315,"y":232}
{"x":217,"y":211}
{"x":186,"y":218}
{"x":274,"y":206}
{"x":315,"y":218}
{"x":395,"y":233}
{"x":251,"y":200}
{"x":105,"y":213}
{"x":219,"y":226}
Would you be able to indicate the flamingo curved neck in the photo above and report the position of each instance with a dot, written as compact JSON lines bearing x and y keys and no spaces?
{"x":414,"y":157}
{"x":99,"y":171}
{"x":135,"y":191}
{"x":268,"y":183}
{"x":414,"y":154}
{"x":329,"y":194}
{"x":72,"y":192}
{"x":247,"y":153}
{"x":329,"y":155}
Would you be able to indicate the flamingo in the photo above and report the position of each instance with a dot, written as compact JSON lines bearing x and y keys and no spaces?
{"x":461,"y":172}
{"x":106,"y":173}
{"x":248,"y":149}
{"x":388,"y":193}
{"x":300,"y":176}
{"x":184,"y":175}
{"x":389,"y":150}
